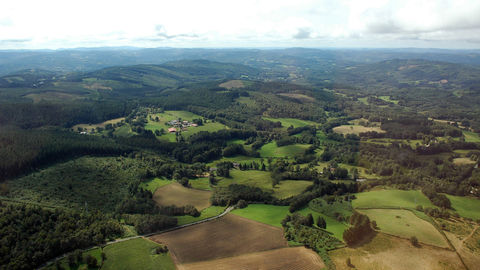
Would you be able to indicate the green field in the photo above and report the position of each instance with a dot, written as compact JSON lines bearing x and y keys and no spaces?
{"x":287,"y":122}
{"x":466,"y":206}
{"x":184,"y":115}
{"x":273,"y":215}
{"x":471,"y":136}
{"x":155,"y":183}
{"x":388,"y":99}
{"x":272,"y":150}
{"x":262,"y":179}
{"x":391,"y":199}
{"x":200,"y":183}
{"x":135,"y":254}
{"x":405,"y":224}
{"x":95,"y":252}
{"x":238,"y":158}
{"x":206,"y":213}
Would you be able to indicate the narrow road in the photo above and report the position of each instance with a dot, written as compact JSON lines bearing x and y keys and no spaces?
{"x":226,"y":211}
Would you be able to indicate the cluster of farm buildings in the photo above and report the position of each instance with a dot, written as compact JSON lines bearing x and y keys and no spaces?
{"x":177,"y":125}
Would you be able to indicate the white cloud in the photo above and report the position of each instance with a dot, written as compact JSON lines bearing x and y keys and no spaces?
{"x":217,"y":23}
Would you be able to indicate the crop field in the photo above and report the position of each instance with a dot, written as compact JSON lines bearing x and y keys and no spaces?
{"x":287,"y":122}
{"x":136,"y":254}
{"x":356,"y":129}
{"x":471,"y":136}
{"x":232,"y":84}
{"x":465,"y":206}
{"x":184,"y":115}
{"x":463,"y":161}
{"x":204,"y":214}
{"x":176,"y":194}
{"x":272,"y":150}
{"x":388,"y":252}
{"x":405,"y":224}
{"x":282,"y":258}
{"x":391,"y":198}
{"x":228,"y":236}
{"x":155,"y":183}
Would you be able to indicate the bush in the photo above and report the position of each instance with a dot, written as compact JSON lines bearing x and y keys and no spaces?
{"x":241,"y":204}
{"x":414,"y":241}
{"x":91,"y":261}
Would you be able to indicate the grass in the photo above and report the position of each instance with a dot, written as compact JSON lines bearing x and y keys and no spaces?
{"x":405,"y":224}
{"x":356,"y":129}
{"x":287,"y":122}
{"x":238,"y":158}
{"x":178,"y":195}
{"x":274,"y":214}
{"x":155,"y":183}
{"x":95,"y":252}
{"x":388,"y":99}
{"x":463,"y":161}
{"x":265,"y":213}
{"x":471,"y":136}
{"x":184,"y":115}
{"x":200,"y":183}
{"x":262,"y":179}
{"x":272,"y":150}
{"x":136,"y":254}
{"x":391,"y":199}
{"x":206,"y":213}
{"x":466,"y":206}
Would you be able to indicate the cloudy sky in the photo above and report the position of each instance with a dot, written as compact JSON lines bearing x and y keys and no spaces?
{"x":52,"y":24}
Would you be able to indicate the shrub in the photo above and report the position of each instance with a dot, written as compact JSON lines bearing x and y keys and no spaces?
{"x":414,"y":241}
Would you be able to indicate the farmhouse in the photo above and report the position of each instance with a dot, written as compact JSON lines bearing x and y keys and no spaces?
{"x":172,"y":129}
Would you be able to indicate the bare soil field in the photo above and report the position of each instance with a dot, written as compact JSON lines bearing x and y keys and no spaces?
{"x":232,"y":84}
{"x":356,"y":129}
{"x":389,"y":252}
{"x":228,"y":236}
{"x":176,"y":194}
{"x":282,"y":258}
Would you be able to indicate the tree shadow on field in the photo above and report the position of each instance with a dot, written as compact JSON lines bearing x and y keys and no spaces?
{"x":366,"y":239}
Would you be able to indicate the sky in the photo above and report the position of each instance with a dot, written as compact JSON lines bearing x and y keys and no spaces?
{"x":54,"y":24}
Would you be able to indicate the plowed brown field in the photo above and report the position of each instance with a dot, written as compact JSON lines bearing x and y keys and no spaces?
{"x":298,"y":258}
{"x":228,"y":236}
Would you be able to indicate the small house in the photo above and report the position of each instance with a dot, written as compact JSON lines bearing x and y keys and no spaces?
{"x":171,"y":130}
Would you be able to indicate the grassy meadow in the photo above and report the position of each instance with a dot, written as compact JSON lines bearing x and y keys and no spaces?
{"x":136,"y":254}
{"x":287,"y":122}
{"x":272,"y":150}
{"x":405,"y":224}
{"x":391,"y":199}
{"x":466,"y":206}
{"x":155,"y":183}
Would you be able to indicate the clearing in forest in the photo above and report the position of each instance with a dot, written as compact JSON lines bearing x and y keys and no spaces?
{"x":89,"y":127}
{"x":232,"y":84}
{"x":405,"y":224}
{"x":468,"y":207}
{"x":176,"y":194}
{"x":389,"y":252}
{"x":282,"y":258}
{"x":356,"y":129}
{"x":463,"y":161}
{"x":228,"y":236}
{"x":287,"y":122}
{"x":289,"y":151}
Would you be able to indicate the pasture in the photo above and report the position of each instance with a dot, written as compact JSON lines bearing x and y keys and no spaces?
{"x":463,"y":161}
{"x":405,"y":224}
{"x":272,"y":150}
{"x":287,"y":122}
{"x":471,"y":136}
{"x":232,"y":84}
{"x":228,"y":236}
{"x":204,"y":214}
{"x":137,"y":253}
{"x":262,"y":179}
{"x":281,"y":258}
{"x":89,"y":127}
{"x":465,"y":206}
{"x":334,"y":226}
{"x":391,"y":199}
{"x":155,"y":183}
{"x":355,"y":129}
{"x":388,"y":252}
{"x":176,"y":194}
{"x":201,"y":183}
